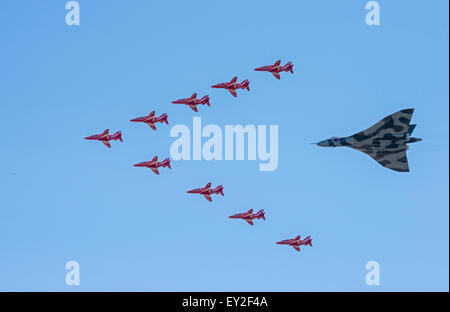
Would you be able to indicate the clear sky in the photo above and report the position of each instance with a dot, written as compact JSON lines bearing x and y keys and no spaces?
{"x":64,"y":198}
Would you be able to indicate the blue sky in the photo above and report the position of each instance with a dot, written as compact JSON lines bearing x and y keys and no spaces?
{"x":64,"y":198}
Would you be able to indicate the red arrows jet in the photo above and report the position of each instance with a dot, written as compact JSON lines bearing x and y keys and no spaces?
{"x":296,"y":242}
{"x":207,"y":191}
{"x":151,"y":119}
{"x":233,"y":85}
{"x":276,"y":69}
{"x":249,"y":216}
{"x":105,"y":137}
{"x":154,"y":164}
{"x":193,"y":101}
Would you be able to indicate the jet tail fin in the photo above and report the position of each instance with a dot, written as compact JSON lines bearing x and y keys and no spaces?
{"x":309,"y":241}
{"x":167,"y":163}
{"x":260,"y":214}
{"x":118,"y":134}
{"x":206,"y":98}
{"x":165,"y":118}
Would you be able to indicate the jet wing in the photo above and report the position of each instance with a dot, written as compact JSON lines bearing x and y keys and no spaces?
{"x":155,"y":170}
{"x":194,"y":108}
{"x":249,"y":221}
{"x":394,"y":159}
{"x":106,"y":143}
{"x":152,"y":125}
{"x":296,"y":248}
{"x":394,"y":125}
{"x":233,"y":92}
{"x":276,"y":74}
{"x":208,"y":197}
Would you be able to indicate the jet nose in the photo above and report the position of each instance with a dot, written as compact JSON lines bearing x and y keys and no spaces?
{"x":323,"y":143}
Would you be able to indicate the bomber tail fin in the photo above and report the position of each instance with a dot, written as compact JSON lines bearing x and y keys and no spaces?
{"x":411,"y":129}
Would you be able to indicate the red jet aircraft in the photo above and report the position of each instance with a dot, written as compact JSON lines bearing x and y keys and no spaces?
{"x":207,"y":191}
{"x":151,"y":119}
{"x":193,"y":101}
{"x":296,"y":242}
{"x":154,"y":164}
{"x":233,"y":85}
{"x":276,"y":69}
{"x":105,"y":137}
{"x":249,"y":216}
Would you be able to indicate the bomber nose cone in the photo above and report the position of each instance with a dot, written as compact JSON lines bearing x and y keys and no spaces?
{"x":323,"y":143}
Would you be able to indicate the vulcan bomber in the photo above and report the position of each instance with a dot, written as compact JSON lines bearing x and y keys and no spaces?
{"x":386,"y":141}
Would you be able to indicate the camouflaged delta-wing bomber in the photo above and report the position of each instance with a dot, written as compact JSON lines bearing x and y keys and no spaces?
{"x":386,"y":141}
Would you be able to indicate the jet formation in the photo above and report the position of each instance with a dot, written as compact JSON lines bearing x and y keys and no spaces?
{"x":249,"y":216}
{"x":232,"y":86}
{"x":386,"y":141}
{"x":276,"y":68}
{"x":192,"y":101}
{"x":151,"y":119}
{"x":207,"y":191}
{"x":297,"y":242}
{"x":105,"y":137}
{"x":154,"y":164}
